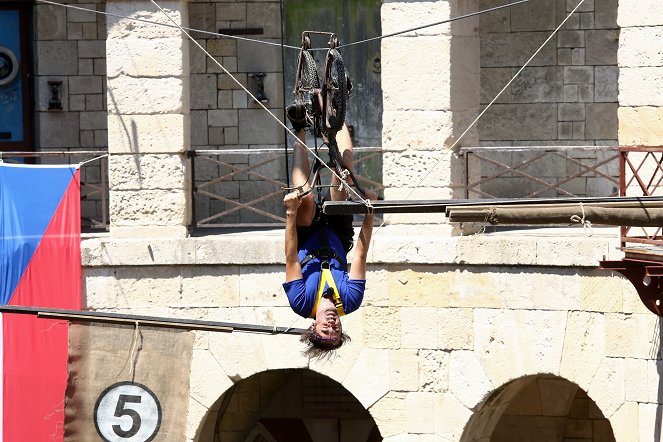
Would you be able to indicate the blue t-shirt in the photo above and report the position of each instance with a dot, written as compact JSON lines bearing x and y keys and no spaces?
{"x":302,"y":292}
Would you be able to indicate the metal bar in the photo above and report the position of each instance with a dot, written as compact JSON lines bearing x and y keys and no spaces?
{"x":55,"y":153}
{"x":435,"y":206}
{"x":288,"y":151}
{"x":622,"y":191}
{"x":119,"y":318}
{"x":469,"y":149}
{"x":238,"y":171}
{"x":240,"y":206}
{"x":194,"y":189}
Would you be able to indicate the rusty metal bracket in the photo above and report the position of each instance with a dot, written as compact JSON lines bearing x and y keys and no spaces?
{"x":646,"y":277}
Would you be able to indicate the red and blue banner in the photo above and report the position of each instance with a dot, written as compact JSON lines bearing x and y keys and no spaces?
{"x":40,"y":266}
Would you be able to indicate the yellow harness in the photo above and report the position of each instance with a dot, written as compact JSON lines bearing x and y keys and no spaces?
{"x":327,"y":279}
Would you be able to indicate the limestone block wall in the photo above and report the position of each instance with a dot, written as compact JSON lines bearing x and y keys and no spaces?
{"x":433,"y":96}
{"x":148,"y":118}
{"x":445,"y":322}
{"x":223,"y":116}
{"x":568,"y":94}
{"x":641,"y":74}
{"x":70,"y":47}
{"x":640,"y":90}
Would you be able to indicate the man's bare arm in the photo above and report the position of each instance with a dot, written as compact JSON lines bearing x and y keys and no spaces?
{"x":293,"y":269}
{"x":358,"y":267}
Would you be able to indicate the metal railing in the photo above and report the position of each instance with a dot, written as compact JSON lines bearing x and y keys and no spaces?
{"x":570,"y":171}
{"x":541,"y":171}
{"x":244,"y":187}
{"x":93,"y":175}
{"x":641,"y":175}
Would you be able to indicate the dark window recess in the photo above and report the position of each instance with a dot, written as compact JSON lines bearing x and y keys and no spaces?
{"x":245,"y":31}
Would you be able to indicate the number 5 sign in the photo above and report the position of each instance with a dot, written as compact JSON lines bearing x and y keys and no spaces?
{"x":127,"y":412}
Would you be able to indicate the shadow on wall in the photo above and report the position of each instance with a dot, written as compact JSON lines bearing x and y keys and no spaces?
{"x":538,"y":408}
{"x":288,"y":405}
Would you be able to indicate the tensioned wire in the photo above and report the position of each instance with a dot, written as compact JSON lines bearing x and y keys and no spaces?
{"x":345,"y":185}
{"x":141,"y":20}
{"x":184,"y":30}
{"x":253,"y":40}
{"x":313,"y":153}
{"x":450,"y":149}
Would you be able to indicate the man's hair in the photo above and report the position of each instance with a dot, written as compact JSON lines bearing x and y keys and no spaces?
{"x":319,"y":348}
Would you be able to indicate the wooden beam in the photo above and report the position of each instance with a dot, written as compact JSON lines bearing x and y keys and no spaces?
{"x":440,"y":206}
{"x":512,"y":215}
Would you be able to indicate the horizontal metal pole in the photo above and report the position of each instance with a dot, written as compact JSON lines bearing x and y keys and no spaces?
{"x":440,"y":206}
{"x":563,"y":214}
{"x":533,"y":149}
{"x":51,"y":153}
{"x":279,"y":150}
{"x":155,"y":321}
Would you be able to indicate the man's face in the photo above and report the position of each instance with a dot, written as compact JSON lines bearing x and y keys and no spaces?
{"x":328,"y":326}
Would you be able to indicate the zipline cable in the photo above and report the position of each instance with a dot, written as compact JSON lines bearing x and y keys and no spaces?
{"x":455,"y":143}
{"x":347,"y":187}
{"x":185,"y":29}
{"x":141,"y":20}
{"x":460,"y":17}
{"x":281,"y":45}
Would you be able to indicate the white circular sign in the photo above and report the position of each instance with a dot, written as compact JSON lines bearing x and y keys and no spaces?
{"x":127,"y":412}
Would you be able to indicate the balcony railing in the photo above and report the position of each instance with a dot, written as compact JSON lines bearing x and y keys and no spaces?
{"x":642,"y":175}
{"x":584,"y":171}
{"x":244,"y":187}
{"x":541,"y":171}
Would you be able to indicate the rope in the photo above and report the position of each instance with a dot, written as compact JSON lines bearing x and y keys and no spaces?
{"x":131,"y":358}
{"x":455,"y":143}
{"x":483,"y":11}
{"x":216,"y":34}
{"x":269,"y":43}
{"x":82,"y":163}
{"x":586,"y":224}
{"x":491,"y":215}
{"x":369,"y":207}
{"x":133,"y":350}
{"x":256,"y":100}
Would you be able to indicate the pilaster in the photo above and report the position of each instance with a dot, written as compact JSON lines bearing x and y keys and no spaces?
{"x":430,"y":83}
{"x":148,"y":119}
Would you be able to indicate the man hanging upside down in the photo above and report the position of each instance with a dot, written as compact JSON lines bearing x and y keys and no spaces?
{"x":314,"y":291}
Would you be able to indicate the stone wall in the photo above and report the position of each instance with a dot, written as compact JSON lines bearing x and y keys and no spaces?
{"x":148,"y":119}
{"x":445,"y":322}
{"x":641,"y":74}
{"x":568,"y":93}
{"x":70,"y":46}
{"x":224,"y":117}
{"x":566,"y":96}
{"x":430,"y":89}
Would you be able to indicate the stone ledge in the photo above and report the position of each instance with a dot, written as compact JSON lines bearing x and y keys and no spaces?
{"x":396,"y":244}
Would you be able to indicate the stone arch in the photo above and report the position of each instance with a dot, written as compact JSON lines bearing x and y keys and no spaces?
{"x":286,"y":405}
{"x":535,"y":408}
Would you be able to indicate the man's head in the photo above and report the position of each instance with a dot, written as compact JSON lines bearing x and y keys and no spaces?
{"x":325,"y":334}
